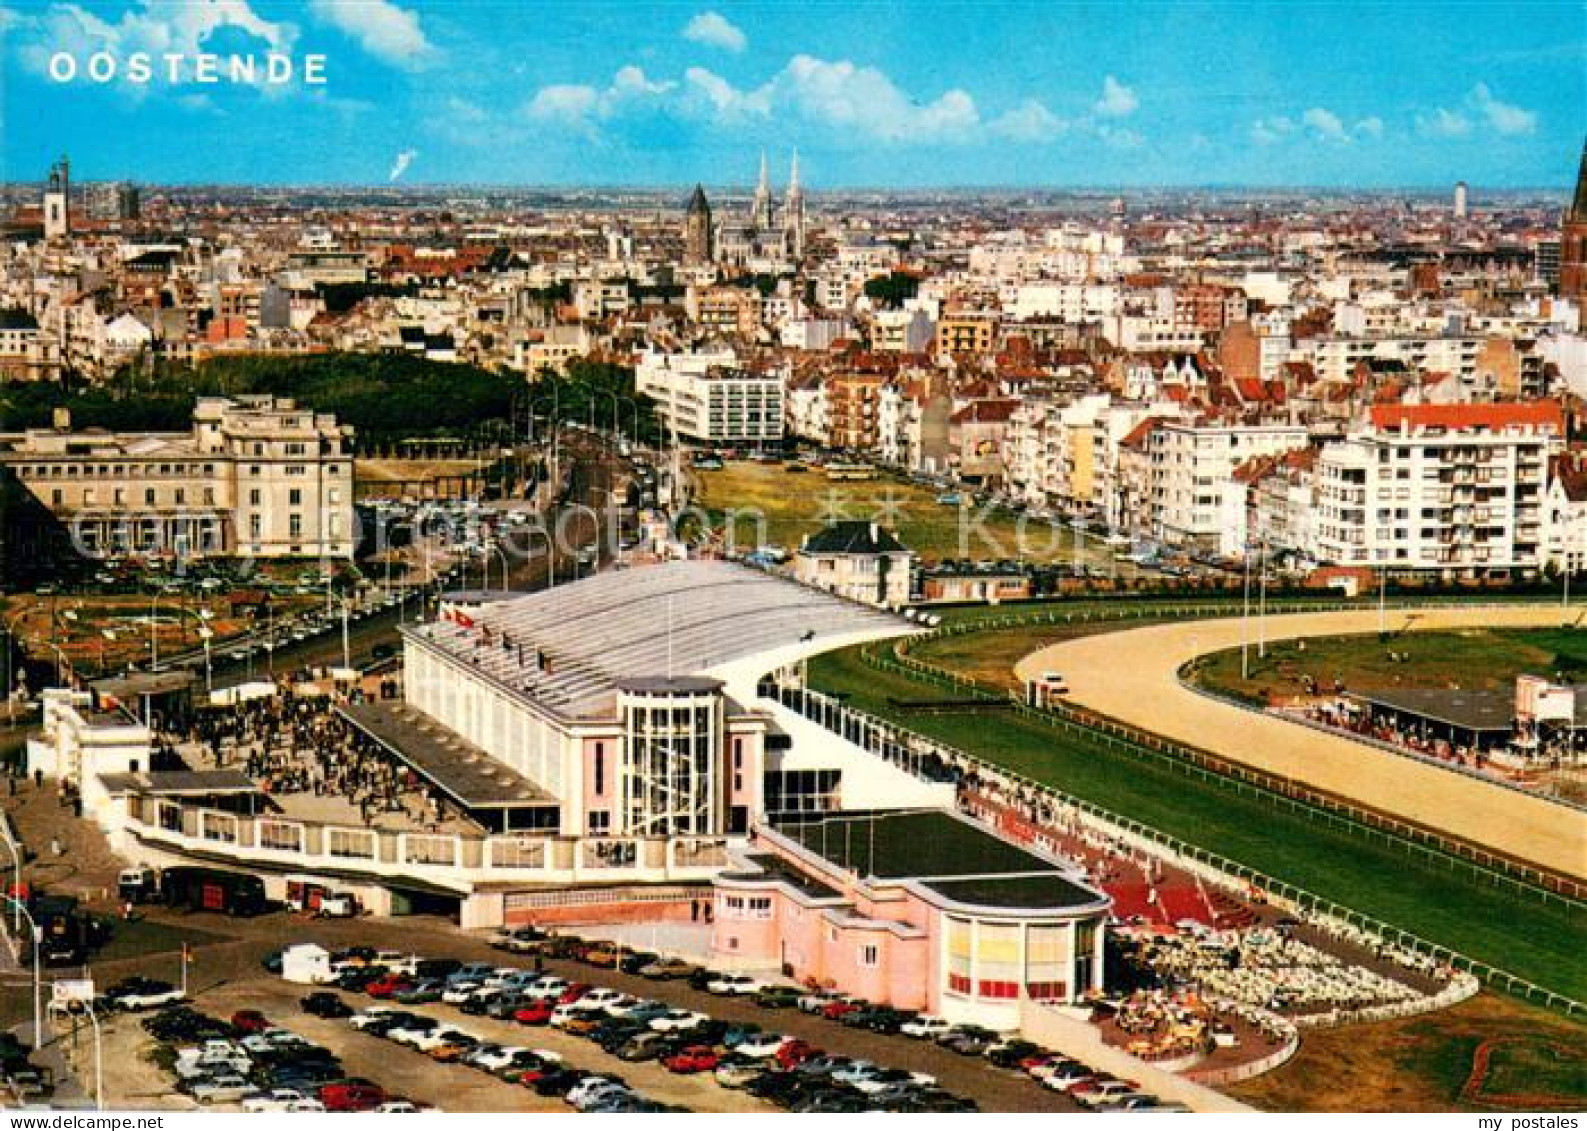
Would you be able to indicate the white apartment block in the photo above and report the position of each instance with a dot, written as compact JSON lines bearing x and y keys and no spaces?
{"x":1335,"y":357}
{"x":256,"y":477}
{"x":1190,"y":463}
{"x":1455,"y":488}
{"x":707,"y":397}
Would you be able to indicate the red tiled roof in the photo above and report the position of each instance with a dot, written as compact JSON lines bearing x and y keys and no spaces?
{"x":1538,"y":414}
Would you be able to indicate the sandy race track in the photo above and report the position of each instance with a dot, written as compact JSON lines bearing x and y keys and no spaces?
{"x":1131,"y":676}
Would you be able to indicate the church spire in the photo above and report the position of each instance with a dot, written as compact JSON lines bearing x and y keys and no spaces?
{"x":1578,"y":208}
{"x":760,"y":211}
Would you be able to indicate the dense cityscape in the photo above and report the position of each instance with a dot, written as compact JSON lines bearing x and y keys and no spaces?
{"x":760,"y":644}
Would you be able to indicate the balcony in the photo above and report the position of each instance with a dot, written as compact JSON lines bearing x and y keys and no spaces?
{"x":453,"y":861}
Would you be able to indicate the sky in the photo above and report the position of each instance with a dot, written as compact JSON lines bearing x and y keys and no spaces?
{"x":905,"y":94}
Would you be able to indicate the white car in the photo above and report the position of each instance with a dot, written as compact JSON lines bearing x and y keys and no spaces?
{"x":220,"y":1089}
{"x":548,"y":985}
{"x":369,"y":1016}
{"x":495,"y":1059}
{"x":926,"y":1026}
{"x":624,"y":1006}
{"x":459,"y":992}
{"x":202,"y":1067}
{"x":676,"y":1019}
{"x":734,"y":985}
{"x":600,"y":997}
{"x":590,"y":1089}
{"x":277,"y":1099}
{"x":149,"y":999}
{"x":410,"y":1033}
{"x":1106,"y":1092}
{"x":762,"y":1045}
{"x":437,"y":1037}
{"x":395,"y":962}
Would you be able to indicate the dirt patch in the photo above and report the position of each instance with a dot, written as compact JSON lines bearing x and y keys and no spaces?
{"x":1487,"y":1054}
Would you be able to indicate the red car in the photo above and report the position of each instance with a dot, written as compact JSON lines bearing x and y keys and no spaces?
{"x":573,"y":993}
{"x":535,"y":1013}
{"x":833,"y":1010}
{"x":352,"y":1095}
{"x":250,"y":1021}
{"x":795,"y":1052}
{"x":695,"y":1058}
{"x":385,"y":987}
{"x":530,"y":1075}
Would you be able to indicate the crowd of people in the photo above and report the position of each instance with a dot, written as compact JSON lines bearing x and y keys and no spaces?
{"x":1268,"y":968}
{"x":296,"y":744}
{"x":1345,"y":715}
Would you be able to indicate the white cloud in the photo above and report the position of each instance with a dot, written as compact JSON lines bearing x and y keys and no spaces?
{"x":400,"y":165}
{"x":1370,"y":127}
{"x":1117,"y":101}
{"x":581,"y":105}
{"x":1502,"y":117}
{"x":1480,"y":108}
{"x":714,"y":30}
{"x":1029,"y":121}
{"x":1443,"y":123}
{"x":1269,"y":131}
{"x":1326,"y":124}
{"x":387,"y":32}
{"x":841,"y":95}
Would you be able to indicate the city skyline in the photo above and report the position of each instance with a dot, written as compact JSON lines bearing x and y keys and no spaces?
{"x":920,"y":97}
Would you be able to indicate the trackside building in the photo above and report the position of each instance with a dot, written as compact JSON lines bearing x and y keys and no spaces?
{"x":920,"y":909}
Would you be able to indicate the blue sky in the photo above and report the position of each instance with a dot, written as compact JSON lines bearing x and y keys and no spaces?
{"x":902,"y":93}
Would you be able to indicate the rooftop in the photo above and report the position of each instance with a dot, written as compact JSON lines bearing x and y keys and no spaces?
{"x":569,"y":647}
{"x":1475,"y":710}
{"x":176,"y":783}
{"x":907,"y":844}
{"x":465,"y":772}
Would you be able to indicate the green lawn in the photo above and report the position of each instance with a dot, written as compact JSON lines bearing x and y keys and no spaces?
{"x":1475,"y":659}
{"x":1540,"y":943}
{"x":792,"y":503}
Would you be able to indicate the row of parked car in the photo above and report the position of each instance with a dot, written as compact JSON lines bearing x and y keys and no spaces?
{"x":250,"y":1061}
{"x":541,"y":1070}
{"x":779,"y":1067}
{"x":1089,"y":1087}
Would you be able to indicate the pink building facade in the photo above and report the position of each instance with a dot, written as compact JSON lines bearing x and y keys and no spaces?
{"x":966,"y":944}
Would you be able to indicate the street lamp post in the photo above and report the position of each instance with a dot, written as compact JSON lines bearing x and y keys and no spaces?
{"x":38,"y":936}
{"x":11,"y":703}
{"x":16,"y":887}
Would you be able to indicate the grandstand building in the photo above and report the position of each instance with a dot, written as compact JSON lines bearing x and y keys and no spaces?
{"x":607,"y":736}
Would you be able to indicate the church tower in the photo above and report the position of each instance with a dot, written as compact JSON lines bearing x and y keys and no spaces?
{"x":760,"y":211}
{"x":697,"y":247}
{"x":57,"y":202}
{"x":1573,"y":241}
{"x":793,"y":214}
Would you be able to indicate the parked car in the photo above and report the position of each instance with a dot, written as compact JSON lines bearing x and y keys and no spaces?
{"x":734,"y":985}
{"x":666,"y":969}
{"x":778,"y":997}
{"x":352,"y":1095}
{"x":224,"y":1088}
{"x":695,"y":1058}
{"x":325,"y":1004}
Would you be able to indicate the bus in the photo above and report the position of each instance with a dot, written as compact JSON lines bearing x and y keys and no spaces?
{"x":209,"y":889}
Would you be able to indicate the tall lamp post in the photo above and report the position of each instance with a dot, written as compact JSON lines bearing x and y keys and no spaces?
{"x":16,"y":887}
{"x":11,"y":703}
{"x":38,"y":936}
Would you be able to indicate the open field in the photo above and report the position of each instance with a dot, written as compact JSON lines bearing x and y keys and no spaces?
{"x":1471,"y":659}
{"x":796,"y":503}
{"x":1387,"y":881}
{"x":1534,"y":1062}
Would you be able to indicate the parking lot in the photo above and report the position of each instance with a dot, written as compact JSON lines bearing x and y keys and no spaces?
{"x":227,"y":976}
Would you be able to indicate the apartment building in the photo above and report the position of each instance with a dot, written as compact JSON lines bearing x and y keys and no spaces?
{"x":1454,"y":488}
{"x":1190,"y":461}
{"x":708,"y":397}
{"x":255,"y":477}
